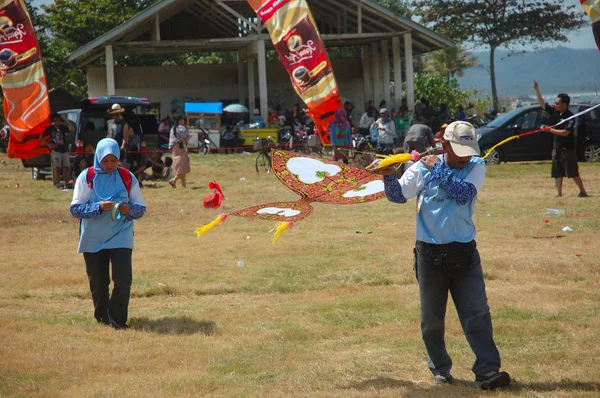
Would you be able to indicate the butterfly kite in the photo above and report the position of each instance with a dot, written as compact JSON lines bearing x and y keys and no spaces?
{"x":314,"y":180}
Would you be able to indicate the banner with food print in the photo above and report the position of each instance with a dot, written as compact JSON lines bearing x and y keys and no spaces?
{"x":296,"y":39}
{"x":26,"y":105}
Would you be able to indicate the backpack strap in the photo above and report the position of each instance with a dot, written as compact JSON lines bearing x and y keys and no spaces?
{"x":123,"y":172}
{"x":126,"y":177}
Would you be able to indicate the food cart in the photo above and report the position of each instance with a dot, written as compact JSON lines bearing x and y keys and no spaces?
{"x":203,"y":117}
{"x":249,"y":135}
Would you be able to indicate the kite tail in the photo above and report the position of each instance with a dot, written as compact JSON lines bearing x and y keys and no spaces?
{"x":514,"y":137}
{"x":201,"y":230}
{"x":280,"y":229}
{"x":399,"y":158}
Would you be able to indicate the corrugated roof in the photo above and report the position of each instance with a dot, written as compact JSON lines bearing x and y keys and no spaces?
{"x":204,"y":25}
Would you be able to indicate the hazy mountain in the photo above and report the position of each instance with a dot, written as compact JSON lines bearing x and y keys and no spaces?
{"x":557,"y":70}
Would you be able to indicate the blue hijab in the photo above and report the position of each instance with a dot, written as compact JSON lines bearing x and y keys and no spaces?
{"x":106,"y":185}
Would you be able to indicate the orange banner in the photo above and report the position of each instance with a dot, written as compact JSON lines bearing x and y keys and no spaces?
{"x":296,"y":39}
{"x":26,"y":105}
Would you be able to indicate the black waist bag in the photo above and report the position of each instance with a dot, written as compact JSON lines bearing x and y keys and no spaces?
{"x":454,"y":258}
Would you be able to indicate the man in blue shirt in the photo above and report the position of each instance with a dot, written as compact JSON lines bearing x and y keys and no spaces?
{"x":446,"y":257}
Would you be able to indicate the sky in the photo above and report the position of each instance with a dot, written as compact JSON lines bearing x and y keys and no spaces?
{"x":582,"y":38}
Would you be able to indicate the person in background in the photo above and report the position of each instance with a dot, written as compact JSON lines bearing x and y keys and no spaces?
{"x":564,"y":152}
{"x":117,"y":127}
{"x":228,"y":140}
{"x":167,"y":172}
{"x":386,"y":132}
{"x":460,"y":113}
{"x":472,"y":110}
{"x":273,"y":120}
{"x":298,"y":115}
{"x":163,"y":132}
{"x":177,"y":144}
{"x":418,"y":138}
{"x":349,"y":108}
{"x":103,"y":241}
{"x":366,"y":121}
{"x":256,"y":122}
{"x":154,"y":162}
{"x":134,"y":157}
{"x":55,"y":138}
{"x":446,"y":258}
{"x":339,"y":131}
{"x":403,"y":106}
{"x":372,"y":111}
{"x":401,"y":123}
{"x":80,"y":164}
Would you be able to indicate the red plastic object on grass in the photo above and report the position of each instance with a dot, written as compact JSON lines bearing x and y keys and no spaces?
{"x":214,"y":199}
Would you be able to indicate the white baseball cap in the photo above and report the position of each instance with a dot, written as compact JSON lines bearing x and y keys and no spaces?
{"x":463,"y":139}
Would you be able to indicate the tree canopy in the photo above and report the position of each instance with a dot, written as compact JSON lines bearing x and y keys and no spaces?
{"x":500,"y":23}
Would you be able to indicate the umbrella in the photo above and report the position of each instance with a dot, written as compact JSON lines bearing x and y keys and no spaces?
{"x":235,"y":108}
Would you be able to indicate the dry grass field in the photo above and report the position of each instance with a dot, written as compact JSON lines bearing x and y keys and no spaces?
{"x":330,"y":311}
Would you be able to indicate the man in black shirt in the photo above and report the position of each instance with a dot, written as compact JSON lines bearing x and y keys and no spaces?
{"x":564,"y":153}
{"x":54,"y":137}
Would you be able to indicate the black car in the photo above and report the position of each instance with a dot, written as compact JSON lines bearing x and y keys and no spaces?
{"x":91,"y":126}
{"x":537,"y":146}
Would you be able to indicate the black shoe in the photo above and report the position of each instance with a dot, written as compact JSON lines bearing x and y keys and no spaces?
{"x":492,"y":380}
{"x":443,"y":378}
{"x":583,"y":195}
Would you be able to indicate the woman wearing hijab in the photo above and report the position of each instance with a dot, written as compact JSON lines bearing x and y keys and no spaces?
{"x":107,"y":200}
{"x":181,"y":161}
{"x":339,"y":131}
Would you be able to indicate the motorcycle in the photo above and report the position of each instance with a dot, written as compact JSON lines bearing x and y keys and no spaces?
{"x":4,"y":135}
{"x":205,"y":144}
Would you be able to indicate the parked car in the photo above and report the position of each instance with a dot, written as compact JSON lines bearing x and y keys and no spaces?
{"x":537,"y":146}
{"x":91,"y":126}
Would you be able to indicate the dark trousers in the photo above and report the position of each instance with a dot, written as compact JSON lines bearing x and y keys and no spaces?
{"x":470,"y":300}
{"x":110,"y":310}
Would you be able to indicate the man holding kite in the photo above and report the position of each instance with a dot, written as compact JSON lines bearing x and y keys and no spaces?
{"x":446,"y":256}
{"x":564,"y":152}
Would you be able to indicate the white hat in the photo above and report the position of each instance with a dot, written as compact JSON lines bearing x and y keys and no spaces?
{"x":463,"y":138}
{"x":116,"y":108}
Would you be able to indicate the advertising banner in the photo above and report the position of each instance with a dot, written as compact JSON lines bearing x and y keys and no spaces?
{"x":297,"y":41}
{"x":26,"y":105}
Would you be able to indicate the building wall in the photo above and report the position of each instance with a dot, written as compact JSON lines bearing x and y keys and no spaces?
{"x":171,"y":86}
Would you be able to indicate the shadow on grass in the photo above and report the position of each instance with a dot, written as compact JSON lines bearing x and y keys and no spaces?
{"x":562,"y":385}
{"x":416,"y":389}
{"x":183,"y":325}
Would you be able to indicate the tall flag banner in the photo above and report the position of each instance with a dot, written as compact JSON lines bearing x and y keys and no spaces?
{"x":592,"y":8}
{"x":297,"y":41}
{"x":26,"y":104}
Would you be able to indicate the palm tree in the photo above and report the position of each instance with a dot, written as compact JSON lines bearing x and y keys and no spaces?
{"x":450,"y":60}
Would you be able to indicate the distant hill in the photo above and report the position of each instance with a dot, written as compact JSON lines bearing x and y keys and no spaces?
{"x":557,"y":70}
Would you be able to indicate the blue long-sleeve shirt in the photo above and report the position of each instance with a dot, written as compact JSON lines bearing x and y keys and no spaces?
{"x":445,"y":199}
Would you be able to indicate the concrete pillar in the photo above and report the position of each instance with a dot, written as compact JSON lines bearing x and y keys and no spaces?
{"x":262,"y":81}
{"x":251,"y":77}
{"x":385,"y":72}
{"x":376,"y":71}
{"x":410,"y":81}
{"x":156,"y":28}
{"x":241,"y":79}
{"x":110,"y":70}
{"x":367,"y":79}
{"x":397,"y":70}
